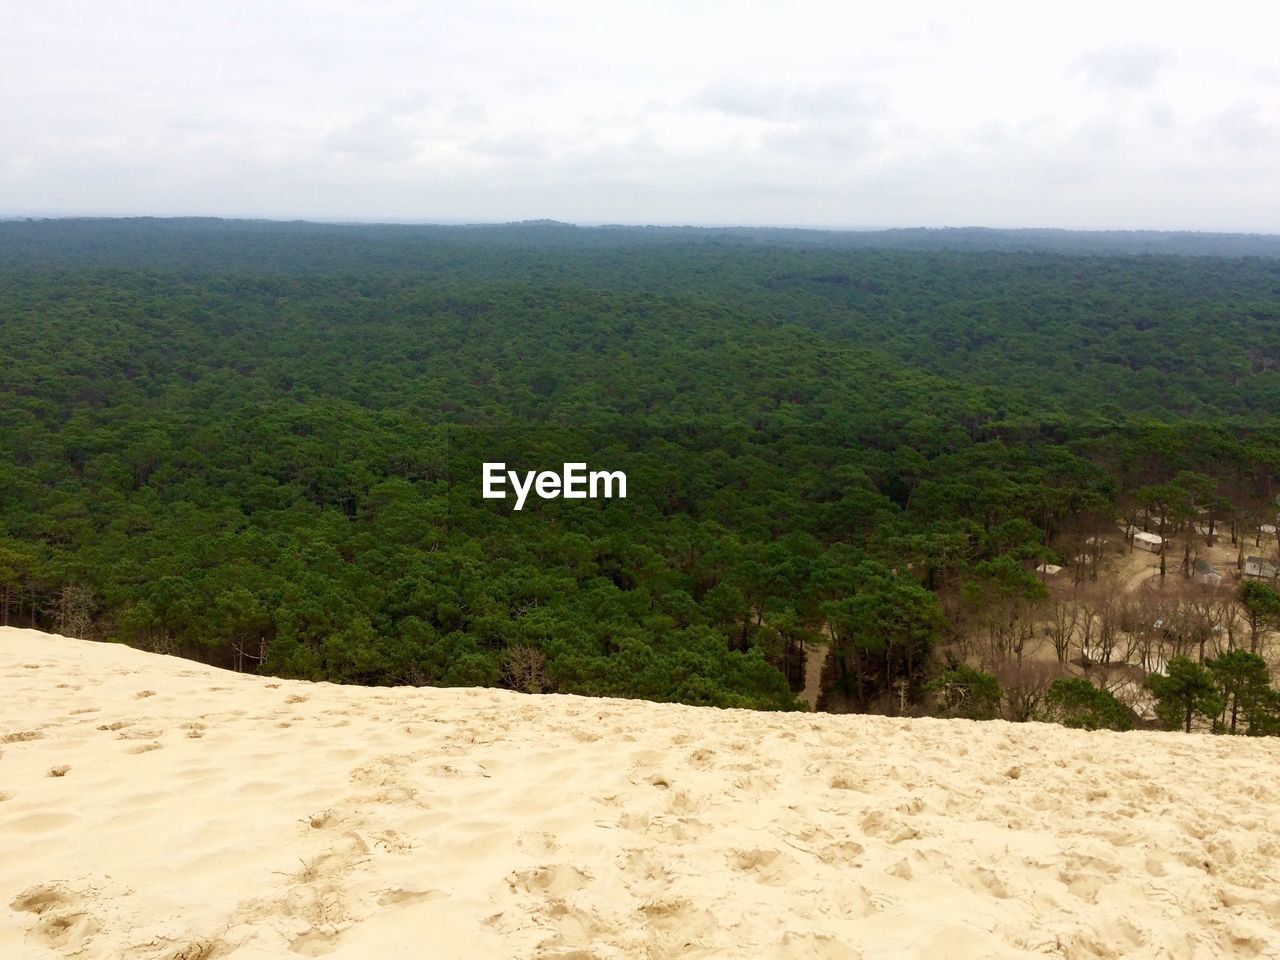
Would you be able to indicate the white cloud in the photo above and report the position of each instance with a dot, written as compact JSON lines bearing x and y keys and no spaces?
{"x":1123,"y":67}
{"x":785,"y":103}
{"x":517,"y":144}
{"x":818,"y":112}
{"x":1242,"y":126}
{"x":375,"y":136}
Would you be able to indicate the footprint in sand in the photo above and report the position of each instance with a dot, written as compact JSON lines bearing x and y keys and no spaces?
{"x":842,"y":853}
{"x":21,"y":736}
{"x":539,"y":843}
{"x":63,"y":924}
{"x":555,"y":880}
{"x":702,"y":758}
{"x":844,"y":781}
{"x":887,"y":827}
{"x":813,"y":946}
{"x":771,"y":867}
{"x":140,"y":733}
{"x":401,"y":896}
{"x":39,"y":823}
{"x":40,"y":898}
{"x":315,"y":943}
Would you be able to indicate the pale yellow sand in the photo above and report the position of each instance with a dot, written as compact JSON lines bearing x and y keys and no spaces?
{"x":204,"y":814}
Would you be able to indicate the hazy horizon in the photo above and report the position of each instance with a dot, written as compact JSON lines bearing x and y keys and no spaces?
{"x":819,"y":116}
{"x":600,"y":224}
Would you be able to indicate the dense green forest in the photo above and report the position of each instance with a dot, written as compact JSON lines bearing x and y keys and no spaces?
{"x":260,"y":444}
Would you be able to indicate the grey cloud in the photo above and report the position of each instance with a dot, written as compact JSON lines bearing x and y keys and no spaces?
{"x":755,"y":101}
{"x":485,"y":109}
{"x":1159,"y":114}
{"x":1241,"y":126}
{"x":998,"y":133}
{"x":1099,"y":135}
{"x":784,"y":104}
{"x":803,"y":141}
{"x":375,"y":136}
{"x":515,"y":145}
{"x":1122,"y":68}
{"x":467,"y":109}
{"x":408,"y":103}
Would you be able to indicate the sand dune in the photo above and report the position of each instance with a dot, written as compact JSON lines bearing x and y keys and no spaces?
{"x":156,"y":809}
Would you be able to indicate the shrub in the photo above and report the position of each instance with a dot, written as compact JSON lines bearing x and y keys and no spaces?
{"x":1075,"y":702}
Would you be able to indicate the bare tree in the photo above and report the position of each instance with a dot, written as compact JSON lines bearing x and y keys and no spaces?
{"x":1199,"y":617}
{"x":1229,"y":617}
{"x":1008,"y":626}
{"x":1095,"y":547}
{"x":1124,"y":682}
{"x":248,"y":648}
{"x":1207,"y":607}
{"x":1024,"y":685}
{"x":1100,"y":611}
{"x":1133,"y":632}
{"x":1084,"y":541}
{"x":159,"y":641}
{"x":524,"y":669}
{"x":1148,"y":614}
{"x":73,"y":609}
{"x":1064,"y":619}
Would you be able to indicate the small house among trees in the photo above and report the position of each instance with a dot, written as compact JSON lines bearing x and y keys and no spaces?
{"x":1151,"y":542}
{"x":1206,"y":573}
{"x":1261,"y":569}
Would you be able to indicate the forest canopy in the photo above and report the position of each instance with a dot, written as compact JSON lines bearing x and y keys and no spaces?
{"x":260,"y":444}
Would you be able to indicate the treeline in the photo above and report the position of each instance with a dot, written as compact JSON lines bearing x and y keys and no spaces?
{"x":261,"y":446}
{"x":1227,"y":694}
{"x":196,"y":239}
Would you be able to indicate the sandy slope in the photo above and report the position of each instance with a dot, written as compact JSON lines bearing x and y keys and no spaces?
{"x":205,"y":814}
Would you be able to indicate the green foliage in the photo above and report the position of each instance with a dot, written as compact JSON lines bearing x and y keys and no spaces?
{"x":1075,"y":702}
{"x":885,"y":627}
{"x":260,"y":444}
{"x":1244,"y":687}
{"x":967,"y":692}
{"x":1261,"y":605}
{"x":1264,"y":717}
{"x":1260,"y":599}
{"x":1186,"y":690}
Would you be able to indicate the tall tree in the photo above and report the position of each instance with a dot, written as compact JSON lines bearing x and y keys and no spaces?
{"x":1243,"y":684}
{"x":1185,"y":691}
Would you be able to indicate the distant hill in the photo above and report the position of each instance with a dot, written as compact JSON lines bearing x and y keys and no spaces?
{"x":154,"y":238}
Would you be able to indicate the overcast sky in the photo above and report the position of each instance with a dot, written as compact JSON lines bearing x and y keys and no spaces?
{"x":1087,"y":114}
